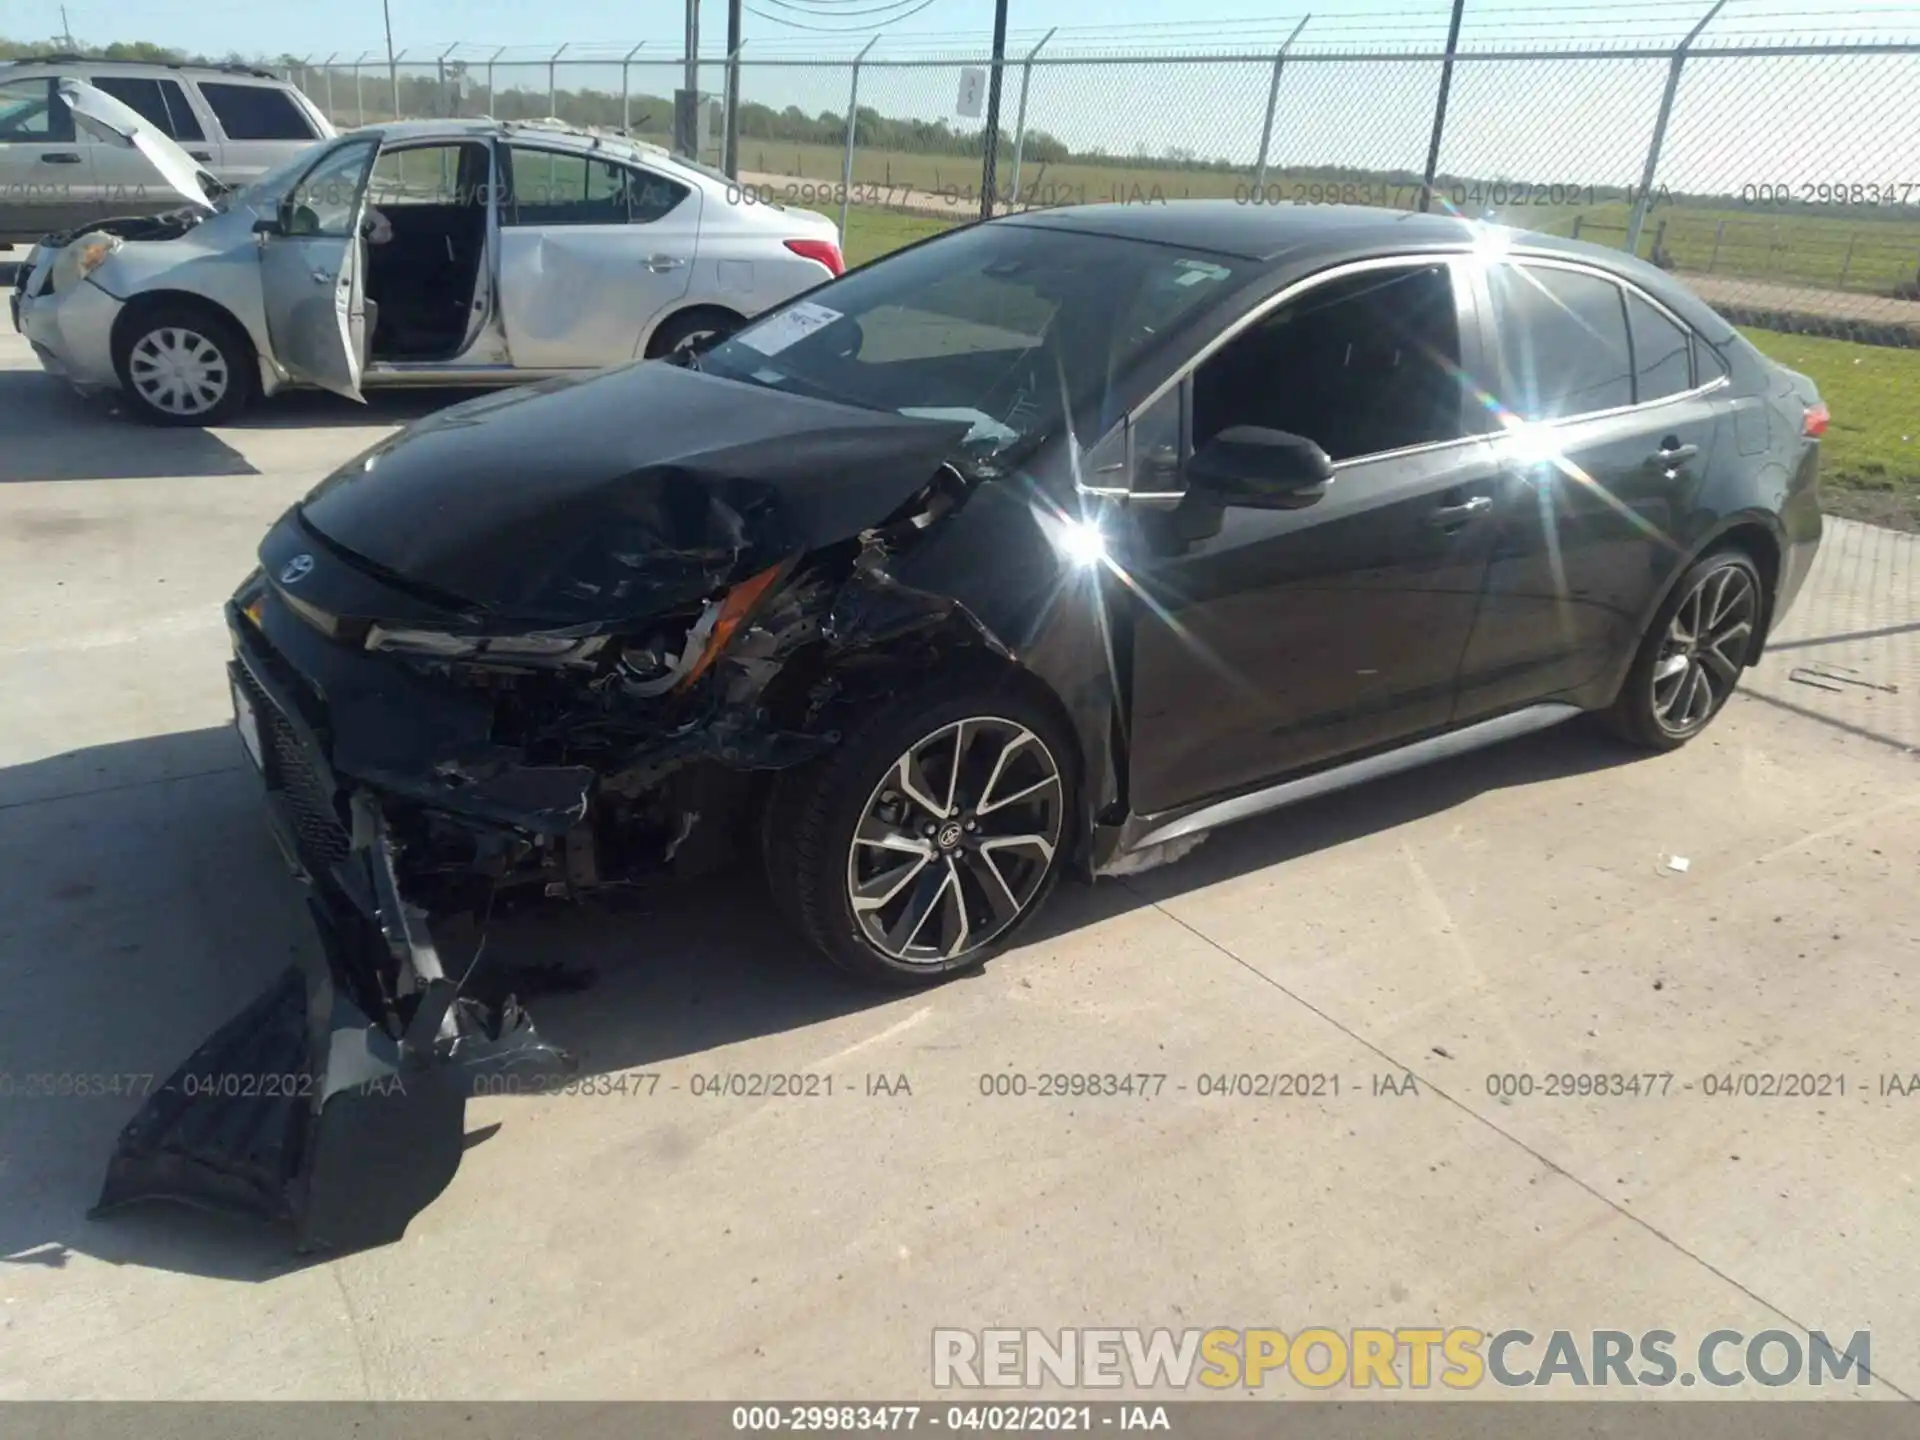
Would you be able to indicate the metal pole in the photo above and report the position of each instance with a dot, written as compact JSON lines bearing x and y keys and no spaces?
{"x":440,"y":70}
{"x":553,"y":69}
{"x":328,"y":62}
{"x":730,"y":152}
{"x":993,"y":109}
{"x":1440,"y":107}
{"x":1273,"y":99}
{"x":393,"y":61}
{"x":1846,"y":262}
{"x":492,"y":105}
{"x":626,"y":93}
{"x":1637,"y":221}
{"x":692,"y":60}
{"x":359,"y":102}
{"x":1718,"y":231}
{"x":853,"y":109}
{"x":1020,"y":117}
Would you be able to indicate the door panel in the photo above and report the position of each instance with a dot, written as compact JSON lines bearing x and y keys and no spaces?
{"x":1580,"y":549}
{"x":580,"y":281}
{"x":311,"y":276}
{"x":46,"y":166}
{"x":1286,"y":639}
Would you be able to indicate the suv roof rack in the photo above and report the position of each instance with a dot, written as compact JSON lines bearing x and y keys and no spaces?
{"x":208,"y":66}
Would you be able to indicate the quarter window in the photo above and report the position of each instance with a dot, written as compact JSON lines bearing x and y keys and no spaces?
{"x":1661,"y":365}
{"x":1563,"y":342}
{"x":160,"y":101}
{"x":256,"y":112}
{"x":1360,"y":365}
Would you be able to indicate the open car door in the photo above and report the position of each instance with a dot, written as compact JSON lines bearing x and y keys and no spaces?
{"x":312,"y":275}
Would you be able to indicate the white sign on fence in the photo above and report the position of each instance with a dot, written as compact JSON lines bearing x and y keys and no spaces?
{"x":973,"y":91}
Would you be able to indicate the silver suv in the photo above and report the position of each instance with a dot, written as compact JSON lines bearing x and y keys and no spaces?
{"x":235,"y":122}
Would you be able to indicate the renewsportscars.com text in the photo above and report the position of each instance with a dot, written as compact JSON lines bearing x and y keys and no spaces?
{"x":1382,"y":1358}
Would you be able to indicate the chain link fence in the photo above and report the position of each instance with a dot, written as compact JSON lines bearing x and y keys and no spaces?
{"x":1781,"y":180}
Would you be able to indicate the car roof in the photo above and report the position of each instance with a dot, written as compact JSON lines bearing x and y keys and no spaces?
{"x":1305,"y":237}
{"x":546,"y":132}
{"x":43,"y":62}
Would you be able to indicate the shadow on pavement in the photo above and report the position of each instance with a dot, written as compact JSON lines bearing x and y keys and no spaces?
{"x":145,"y":905}
{"x":52,"y":433}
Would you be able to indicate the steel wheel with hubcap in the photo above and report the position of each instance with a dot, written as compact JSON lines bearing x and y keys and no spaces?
{"x":954,"y":841}
{"x":936,"y":828}
{"x":182,"y":367}
{"x":1692,"y":658}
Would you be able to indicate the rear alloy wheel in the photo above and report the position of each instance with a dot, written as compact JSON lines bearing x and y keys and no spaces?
{"x":1693,"y":656}
{"x":691,"y":332}
{"x":929,"y":836}
{"x":182,"y":367}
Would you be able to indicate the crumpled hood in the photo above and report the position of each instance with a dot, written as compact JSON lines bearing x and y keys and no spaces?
{"x":621,"y":495}
{"x":101,"y":115}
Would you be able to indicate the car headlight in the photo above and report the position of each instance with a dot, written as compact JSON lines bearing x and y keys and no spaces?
{"x":444,"y":645}
{"x":82,"y":258}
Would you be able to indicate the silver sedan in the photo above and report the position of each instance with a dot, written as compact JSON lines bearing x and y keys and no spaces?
{"x":442,"y":252}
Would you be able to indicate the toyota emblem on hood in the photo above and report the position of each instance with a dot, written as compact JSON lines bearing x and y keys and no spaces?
{"x":296,"y":569}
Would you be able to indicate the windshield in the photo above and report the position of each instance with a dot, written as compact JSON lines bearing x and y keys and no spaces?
{"x":1013,"y":329}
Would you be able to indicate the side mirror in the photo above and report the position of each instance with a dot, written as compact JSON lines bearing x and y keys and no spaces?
{"x":1260,"y":468}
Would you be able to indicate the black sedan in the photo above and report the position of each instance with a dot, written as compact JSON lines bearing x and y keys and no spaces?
{"x":1044,"y":546}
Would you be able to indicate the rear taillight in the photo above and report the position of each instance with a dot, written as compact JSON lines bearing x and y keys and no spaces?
{"x":827,"y":252}
{"x":1815,"y":425}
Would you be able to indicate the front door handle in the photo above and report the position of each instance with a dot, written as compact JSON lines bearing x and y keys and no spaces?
{"x":1459,"y":514}
{"x":201,"y":154}
{"x":323,"y":277}
{"x":61,"y":157}
{"x":659,"y":264}
{"x":1671,"y":453}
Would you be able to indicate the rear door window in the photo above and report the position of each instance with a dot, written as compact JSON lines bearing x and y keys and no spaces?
{"x":160,"y":101}
{"x":1563,"y":341}
{"x":255,"y":112}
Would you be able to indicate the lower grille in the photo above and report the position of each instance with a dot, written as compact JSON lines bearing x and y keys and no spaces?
{"x":322,"y":839}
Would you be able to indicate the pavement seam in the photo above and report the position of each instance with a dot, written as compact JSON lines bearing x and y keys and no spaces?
{"x":1618,"y":1209}
{"x":124,"y":785}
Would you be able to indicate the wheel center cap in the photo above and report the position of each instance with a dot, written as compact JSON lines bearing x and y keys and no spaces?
{"x":949,"y":835}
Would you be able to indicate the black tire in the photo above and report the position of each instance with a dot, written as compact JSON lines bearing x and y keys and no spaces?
{"x":1700,"y":624}
{"x":808,"y":836}
{"x":695,"y":329}
{"x":196,"y":329}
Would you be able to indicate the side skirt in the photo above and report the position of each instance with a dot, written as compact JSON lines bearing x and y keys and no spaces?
{"x":1147,"y":830}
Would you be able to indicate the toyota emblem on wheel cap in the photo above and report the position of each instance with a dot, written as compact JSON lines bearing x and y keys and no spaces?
{"x":296,"y":569}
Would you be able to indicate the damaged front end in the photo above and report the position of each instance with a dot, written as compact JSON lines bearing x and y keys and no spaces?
{"x":428,"y":761}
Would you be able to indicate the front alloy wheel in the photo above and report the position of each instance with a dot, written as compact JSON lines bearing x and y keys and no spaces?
{"x":182,"y":364}
{"x":955,"y":841}
{"x":936,"y":828}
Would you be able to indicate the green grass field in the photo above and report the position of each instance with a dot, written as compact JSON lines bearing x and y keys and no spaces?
{"x":1870,"y":459}
{"x":1871,"y":456}
{"x":1797,"y":244}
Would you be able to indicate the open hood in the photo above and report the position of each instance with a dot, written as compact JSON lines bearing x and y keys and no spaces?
{"x":621,"y":496}
{"x":107,"y":119}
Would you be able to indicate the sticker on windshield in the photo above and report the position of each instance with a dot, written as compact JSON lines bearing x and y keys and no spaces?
{"x":1199,"y":271}
{"x":789,"y":327}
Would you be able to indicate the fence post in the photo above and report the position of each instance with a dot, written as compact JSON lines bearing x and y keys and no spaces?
{"x":626,"y":91}
{"x":359,"y":102}
{"x":853,"y":110}
{"x":491,"y":104}
{"x":1638,"y":220}
{"x":730,"y":116}
{"x":553,"y":69}
{"x":1718,"y":231}
{"x":1020,"y":116}
{"x":1846,"y":262}
{"x":328,"y":62}
{"x":440,"y":74}
{"x":393,"y":76}
{"x":1273,"y":100}
{"x":1440,"y":107}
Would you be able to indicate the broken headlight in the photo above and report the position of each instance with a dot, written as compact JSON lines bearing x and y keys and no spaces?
{"x":445,"y":645}
{"x":82,"y":258}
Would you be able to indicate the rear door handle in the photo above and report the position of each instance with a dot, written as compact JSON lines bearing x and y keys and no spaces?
{"x":61,"y":157}
{"x":1459,"y":514}
{"x":1670,"y":454}
{"x":201,"y":154}
{"x":660,"y":263}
